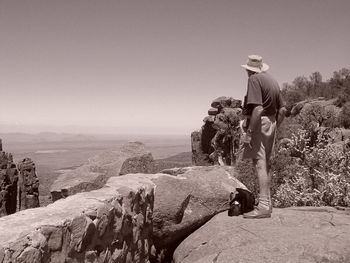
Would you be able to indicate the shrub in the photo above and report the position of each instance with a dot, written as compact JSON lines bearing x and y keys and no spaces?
{"x":345,"y":115}
{"x":315,"y":175}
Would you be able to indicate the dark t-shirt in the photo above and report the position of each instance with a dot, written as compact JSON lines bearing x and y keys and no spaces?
{"x":263,"y":90}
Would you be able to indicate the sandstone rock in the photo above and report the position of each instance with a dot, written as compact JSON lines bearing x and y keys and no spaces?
{"x":8,"y":184}
{"x":28,"y":194}
{"x":81,"y":229}
{"x":207,"y":134}
{"x":96,"y":172}
{"x":30,"y":254}
{"x":213,"y":111}
{"x":63,"y":232}
{"x":209,"y":119}
{"x":120,"y":221}
{"x":307,"y":234}
{"x":139,"y":164}
{"x":186,"y":201}
{"x":183,"y":159}
{"x":53,"y":236}
{"x":219,"y":136}
{"x":222,"y":102}
{"x":198,"y":156}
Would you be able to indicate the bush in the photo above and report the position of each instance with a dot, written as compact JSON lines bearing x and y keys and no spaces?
{"x":316,"y":175}
{"x":345,"y":115}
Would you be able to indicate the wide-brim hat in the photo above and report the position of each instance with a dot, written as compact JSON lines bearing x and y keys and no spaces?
{"x":255,"y":64}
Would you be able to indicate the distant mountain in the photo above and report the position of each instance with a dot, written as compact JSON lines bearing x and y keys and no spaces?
{"x":44,"y":137}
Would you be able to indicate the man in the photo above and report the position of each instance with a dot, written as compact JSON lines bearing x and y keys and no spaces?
{"x":264,"y":111}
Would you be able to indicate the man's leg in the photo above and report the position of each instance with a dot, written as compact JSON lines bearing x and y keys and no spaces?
{"x":263,"y":209}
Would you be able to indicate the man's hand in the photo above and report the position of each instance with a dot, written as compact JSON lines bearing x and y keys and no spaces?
{"x":247,"y":139}
{"x":280,"y":116}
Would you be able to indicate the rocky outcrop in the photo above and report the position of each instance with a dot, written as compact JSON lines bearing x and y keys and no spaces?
{"x":138,"y":164}
{"x":218,"y":140}
{"x":96,"y":172}
{"x":308,"y":234}
{"x":28,"y":185}
{"x":187,"y":200}
{"x":133,"y":218}
{"x":18,"y":190}
{"x":113,"y":224}
{"x":8,"y":184}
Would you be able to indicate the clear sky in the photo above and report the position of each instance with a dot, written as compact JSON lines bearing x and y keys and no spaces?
{"x":153,"y":66}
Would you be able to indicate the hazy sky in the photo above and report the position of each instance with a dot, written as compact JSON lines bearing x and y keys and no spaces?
{"x":153,"y":65}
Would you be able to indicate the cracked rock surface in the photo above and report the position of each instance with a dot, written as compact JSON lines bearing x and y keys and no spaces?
{"x":303,"y":234}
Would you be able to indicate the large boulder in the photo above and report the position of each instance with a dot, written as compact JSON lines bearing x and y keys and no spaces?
{"x":308,"y":234}
{"x":188,"y":199}
{"x":96,"y":172}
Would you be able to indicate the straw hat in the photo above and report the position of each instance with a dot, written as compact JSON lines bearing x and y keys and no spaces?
{"x":255,"y":64}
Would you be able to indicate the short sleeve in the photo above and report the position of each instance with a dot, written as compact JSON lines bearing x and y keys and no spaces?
{"x":254,"y":95}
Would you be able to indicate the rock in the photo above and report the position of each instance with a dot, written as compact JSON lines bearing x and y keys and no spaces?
{"x":54,"y":236}
{"x":183,"y":159}
{"x":8,"y":184}
{"x":30,"y":254}
{"x":63,"y":232}
{"x":139,"y":164}
{"x":96,"y":172}
{"x":198,"y":156}
{"x":81,"y":229}
{"x":218,"y":140}
{"x":222,"y":102}
{"x":185,"y":202}
{"x":308,"y":234}
{"x":28,"y":188}
{"x":207,"y":134}
{"x":209,"y":119}
{"x":213,"y":111}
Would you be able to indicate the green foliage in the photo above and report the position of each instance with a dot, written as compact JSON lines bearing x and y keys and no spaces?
{"x":303,"y":88}
{"x":344,"y":117}
{"x":311,"y":175}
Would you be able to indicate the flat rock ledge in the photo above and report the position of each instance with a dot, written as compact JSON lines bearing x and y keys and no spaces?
{"x":305,"y":234}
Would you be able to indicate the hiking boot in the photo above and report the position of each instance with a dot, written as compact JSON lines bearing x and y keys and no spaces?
{"x":259,"y":211}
